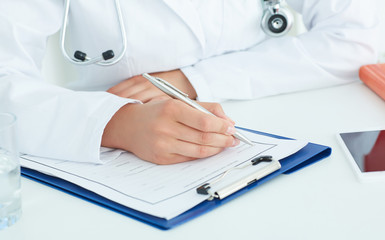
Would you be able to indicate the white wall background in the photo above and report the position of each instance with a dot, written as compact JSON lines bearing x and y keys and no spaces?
{"x":55,"y":65}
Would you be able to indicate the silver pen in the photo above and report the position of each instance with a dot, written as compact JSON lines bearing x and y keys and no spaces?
{"x":176,"y":93}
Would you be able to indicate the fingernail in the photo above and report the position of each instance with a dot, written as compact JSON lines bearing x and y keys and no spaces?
{"x":235,"y":142}
{"x":231,"y":130}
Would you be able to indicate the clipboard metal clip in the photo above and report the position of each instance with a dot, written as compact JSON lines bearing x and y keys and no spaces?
{"x":224,"y":192}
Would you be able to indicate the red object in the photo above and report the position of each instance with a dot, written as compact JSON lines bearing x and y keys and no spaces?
{"x":374,"y":77}
{"x":375,"y":160}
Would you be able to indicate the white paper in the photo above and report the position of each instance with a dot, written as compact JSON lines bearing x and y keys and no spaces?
{"x":161,"y":190}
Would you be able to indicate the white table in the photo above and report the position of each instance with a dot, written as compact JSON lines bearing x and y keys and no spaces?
{"x":322,"y":201}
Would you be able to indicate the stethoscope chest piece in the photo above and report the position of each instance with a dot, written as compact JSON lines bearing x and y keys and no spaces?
{"x":276,"y":20}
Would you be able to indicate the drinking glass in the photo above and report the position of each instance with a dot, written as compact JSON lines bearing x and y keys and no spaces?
{"x":10,"y":201}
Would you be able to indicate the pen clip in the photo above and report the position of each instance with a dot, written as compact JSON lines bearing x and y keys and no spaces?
{"x":254,"y":177}
{"x":264,"y":158}
{"x":170,"y":86}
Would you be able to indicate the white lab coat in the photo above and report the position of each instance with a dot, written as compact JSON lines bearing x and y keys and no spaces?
{"x":218,"y":44}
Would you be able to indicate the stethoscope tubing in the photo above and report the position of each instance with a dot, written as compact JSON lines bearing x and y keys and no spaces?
{"x":269,"y":5}
{"x":96,"y":60}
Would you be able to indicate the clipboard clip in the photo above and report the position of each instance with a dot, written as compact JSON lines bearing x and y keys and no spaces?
{"x":224,"y":192}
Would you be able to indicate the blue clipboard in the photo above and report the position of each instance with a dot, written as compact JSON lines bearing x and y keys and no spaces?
{"x":310,"y":154}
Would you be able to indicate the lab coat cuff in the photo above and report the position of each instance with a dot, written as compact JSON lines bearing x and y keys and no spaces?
{"x":199,"y":84}
{"x":107,"y":154}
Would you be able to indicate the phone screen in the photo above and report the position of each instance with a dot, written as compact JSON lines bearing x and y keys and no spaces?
{"x":367,"y":149}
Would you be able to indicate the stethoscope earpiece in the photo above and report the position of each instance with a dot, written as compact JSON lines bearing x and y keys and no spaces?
{"x":276,"y":20}
{"x":106,"y":58}
{"x":81,"y":56}
{"x":107,"y":55}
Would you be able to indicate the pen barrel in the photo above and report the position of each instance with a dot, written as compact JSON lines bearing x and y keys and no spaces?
{"x":242,"y":138}
{"x":195,"y":105}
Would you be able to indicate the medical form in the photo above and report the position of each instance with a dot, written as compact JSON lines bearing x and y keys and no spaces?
{"x":161,"y":190}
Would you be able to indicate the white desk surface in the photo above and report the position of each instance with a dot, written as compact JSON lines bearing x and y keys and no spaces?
{"x":322,"y":201}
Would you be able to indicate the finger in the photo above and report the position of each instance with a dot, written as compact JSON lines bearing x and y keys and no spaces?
{"x":159,"y":98}
{"x":128,"y":83}
{"x":147,"y":94}
{"x":192,"y":135}
{"x":131,"y":91}
{"x":173,"y":159}
{"x":121,"y":86}
{"x":201,"y":121}
{"x":194,"y":150}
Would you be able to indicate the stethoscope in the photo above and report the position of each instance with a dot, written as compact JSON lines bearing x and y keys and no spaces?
{"x":276,"y":22}
{"x":108,"y":57}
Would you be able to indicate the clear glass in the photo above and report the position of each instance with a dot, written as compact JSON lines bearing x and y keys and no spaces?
{"x":10,"y":193}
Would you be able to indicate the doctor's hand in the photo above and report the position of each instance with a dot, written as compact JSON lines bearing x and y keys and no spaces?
{"x":141,"y":89}
{"x":169,"y":131}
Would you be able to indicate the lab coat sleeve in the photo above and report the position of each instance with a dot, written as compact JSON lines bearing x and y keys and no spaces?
{"x":52,"y":121}
{"x":342,"y":36}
